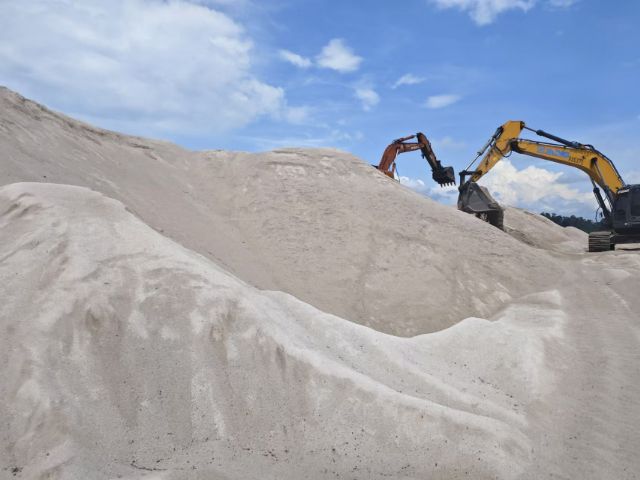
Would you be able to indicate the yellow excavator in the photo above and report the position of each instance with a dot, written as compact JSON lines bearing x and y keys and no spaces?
{"x":620,"y":203}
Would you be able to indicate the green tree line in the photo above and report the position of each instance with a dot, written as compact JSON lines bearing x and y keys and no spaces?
{"x":573,"y":221}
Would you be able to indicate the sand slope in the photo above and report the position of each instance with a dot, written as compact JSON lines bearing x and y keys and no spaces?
{"x":133,"y":357}
{"x":135,"y":344}
{"x":540,"y":232}
{"x":319,"y":224}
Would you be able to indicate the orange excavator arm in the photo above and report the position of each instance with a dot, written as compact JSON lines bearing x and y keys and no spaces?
{"x":442,"y":175}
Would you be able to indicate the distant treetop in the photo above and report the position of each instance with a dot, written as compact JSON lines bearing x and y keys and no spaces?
{"x":573,"y":221}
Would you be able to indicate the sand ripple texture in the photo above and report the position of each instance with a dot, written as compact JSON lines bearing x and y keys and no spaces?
{"x":319,"y":224}
{"x":126,"y":355}
{"x":167,"y":314}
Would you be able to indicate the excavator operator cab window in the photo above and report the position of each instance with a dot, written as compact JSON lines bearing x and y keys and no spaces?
{"x":622,"y":202}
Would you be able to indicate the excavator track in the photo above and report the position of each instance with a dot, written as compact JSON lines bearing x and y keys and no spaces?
{"x":600,"y":242}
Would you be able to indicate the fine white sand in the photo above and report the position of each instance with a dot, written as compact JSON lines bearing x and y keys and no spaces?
{"x":126,"y":354}
{"x":540,"y":232}
{"x":320,"y":224}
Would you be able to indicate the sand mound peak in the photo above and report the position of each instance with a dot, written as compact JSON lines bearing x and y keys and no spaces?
{"x":320,"y":224}
{"x":135,"y":344}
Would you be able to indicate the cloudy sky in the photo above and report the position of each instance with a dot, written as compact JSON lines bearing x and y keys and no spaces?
{"x":261,"y":74}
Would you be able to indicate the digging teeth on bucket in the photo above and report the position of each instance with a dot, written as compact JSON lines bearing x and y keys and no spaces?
{"x":444,"y":176}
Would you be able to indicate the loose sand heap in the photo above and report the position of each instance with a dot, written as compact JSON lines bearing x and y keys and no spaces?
{"x":128,"y":354}
{"x":320,"y":224}
{"x":540,"y":232}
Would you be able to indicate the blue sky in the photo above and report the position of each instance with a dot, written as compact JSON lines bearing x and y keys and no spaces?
{"x":257,"y":75}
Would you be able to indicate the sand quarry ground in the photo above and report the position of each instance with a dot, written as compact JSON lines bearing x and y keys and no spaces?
{"x":168,"y":314}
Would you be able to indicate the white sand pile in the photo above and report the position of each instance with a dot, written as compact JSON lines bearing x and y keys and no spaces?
{"x":124,"y":354}
{"x":133,"y":357}
{"x":540,"y":232}
{"x":320,"y":224}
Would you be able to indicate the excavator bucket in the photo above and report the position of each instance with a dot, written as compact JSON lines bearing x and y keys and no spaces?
{"x":477,"y":200}
{"x":444,"y":176}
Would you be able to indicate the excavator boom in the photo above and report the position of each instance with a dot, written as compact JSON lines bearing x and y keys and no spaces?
{"x":621,"y":214}
{"x":442,"y":175}
{"x":595,"y":164}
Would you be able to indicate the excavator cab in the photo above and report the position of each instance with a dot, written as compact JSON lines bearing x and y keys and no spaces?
{"x":626,"y":212}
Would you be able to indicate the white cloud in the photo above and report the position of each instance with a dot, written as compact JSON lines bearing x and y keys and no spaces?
{"x":297,"y":115}
{"x":408,"y":79}
{"x":632,"y":177}
{"x":440,"y":101}
{"x":484,"y":12}
{"x":294,"y":59}
{"x":447,"y":195}
{"x":220,"y":3}
{"x":534,"y":187}
{"x":368,"y":97}
{"x":337,"y":56}
{"x":333,"y":138}
{"x":175,"y":64}
{"x":561,"y":3}
{"x":414,"y":184}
